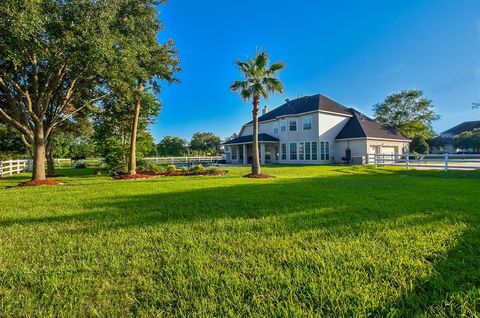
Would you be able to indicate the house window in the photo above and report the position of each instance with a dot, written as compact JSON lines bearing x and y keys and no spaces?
{"x":293,"y":151}
{"x":284,"y":151}
{"x":241,"y":153}
{"x":292,"y":124}
{"x":325,"y":150}
{"x":307,"y":123}
{"x":283,"y":125}
{"x":307,"y":151}
{"x":275,"y":130}
{"x":234,"y":153}
{"x":301,"y":151}
{"x":314,"y":150}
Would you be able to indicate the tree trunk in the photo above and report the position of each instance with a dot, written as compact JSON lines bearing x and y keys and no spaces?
{"x":39,"y":155}
{"x":132,"y":162}
{"x":50,"y":160}
{"x":256,"y":159}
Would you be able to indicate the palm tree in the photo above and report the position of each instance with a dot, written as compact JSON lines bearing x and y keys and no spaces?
{"x":260,"y":80}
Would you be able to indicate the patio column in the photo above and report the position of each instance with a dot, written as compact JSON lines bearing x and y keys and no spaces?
{"x":262,"y":154}
{"x":245,"y":159}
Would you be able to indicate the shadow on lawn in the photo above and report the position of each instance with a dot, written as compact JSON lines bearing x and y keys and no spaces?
{"x":343,"y":204}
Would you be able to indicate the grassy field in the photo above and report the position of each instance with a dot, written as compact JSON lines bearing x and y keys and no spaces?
{"x":334,"y":241}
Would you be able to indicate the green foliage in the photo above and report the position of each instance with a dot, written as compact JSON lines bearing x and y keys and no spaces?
{"x":468,"y":140}
{"x":11,"y":145}
{"x":150,"y":166}
{"x":419,"y":145}
{"x":171,"y":168}
{"x":439,"y":142}
{"x":113,"y":151}
{"x":205,"y":143}
{"x":198,"y":169}
{"x":260,"y":78}
{"x":275,"y":247}
{"x":409,"y":111}
{"x":172,"y":146}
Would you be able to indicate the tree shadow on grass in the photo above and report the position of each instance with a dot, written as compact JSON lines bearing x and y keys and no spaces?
{"x":342,"y":204}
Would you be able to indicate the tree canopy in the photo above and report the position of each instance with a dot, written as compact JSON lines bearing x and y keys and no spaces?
{"x":206,"y":143}
{"x":172,"y":146}
{"x":409,"y":111}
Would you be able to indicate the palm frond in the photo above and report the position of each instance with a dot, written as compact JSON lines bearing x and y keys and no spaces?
{"x":261,"y":60}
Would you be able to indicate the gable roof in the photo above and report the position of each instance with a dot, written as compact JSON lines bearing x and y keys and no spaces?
{"x":249,"y":138}
{"x":304,"y":105}
{"x":465,"y":126}
{"x":361,"y":126}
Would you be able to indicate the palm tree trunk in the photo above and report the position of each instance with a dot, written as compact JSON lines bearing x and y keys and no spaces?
{"x":256,"y":159}
{"x":132,"y":162}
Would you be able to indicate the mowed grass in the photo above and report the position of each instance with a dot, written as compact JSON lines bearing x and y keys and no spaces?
{"x":315,"y":241}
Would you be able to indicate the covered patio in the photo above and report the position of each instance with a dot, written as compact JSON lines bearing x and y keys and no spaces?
{"x":240,"y":151}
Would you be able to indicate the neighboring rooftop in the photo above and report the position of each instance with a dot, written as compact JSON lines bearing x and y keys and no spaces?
{"x":361,"y":126}
{"x":304,"y":105}
{"x":249,"y":138}
{"x":463,"y":127}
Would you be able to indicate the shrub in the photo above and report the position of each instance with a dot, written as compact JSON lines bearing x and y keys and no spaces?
{"x":171,"y":168}
{"x":197,"y":169}
{"x":419,"y":145}
{"x":114,"y":157}
{"x":212,"y":170}
{"x":150,"y":166}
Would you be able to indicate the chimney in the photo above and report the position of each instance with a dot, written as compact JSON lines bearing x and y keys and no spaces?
{"x":265,"y":110}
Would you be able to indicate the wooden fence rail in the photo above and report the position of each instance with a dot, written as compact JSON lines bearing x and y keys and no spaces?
{"x":444,"y":161}
{"x":11,"y":167}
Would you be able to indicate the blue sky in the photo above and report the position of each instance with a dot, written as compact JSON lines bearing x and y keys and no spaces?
{"x":355,"y":52}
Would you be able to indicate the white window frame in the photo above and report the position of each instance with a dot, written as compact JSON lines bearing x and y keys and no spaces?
{"x":283,"y":146}
{"x":305,"y":121}
{"x":325,"y":150}
{"x":234,"y":152}
{"x":301,"y":151}
{"x":290,"y":153}
{"x":275,"y":129}
{"x":308,"y":154}
{"x":283,"y":125}
{"x":314,"y":153}
{"x":289,"y":124}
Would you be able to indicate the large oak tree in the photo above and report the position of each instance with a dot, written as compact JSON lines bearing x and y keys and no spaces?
{"x":52,"y":57}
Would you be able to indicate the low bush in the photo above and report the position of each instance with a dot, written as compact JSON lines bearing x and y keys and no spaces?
{"x":198,"y":169}
{"x":150,"y":166}
{"x":171,"y":168}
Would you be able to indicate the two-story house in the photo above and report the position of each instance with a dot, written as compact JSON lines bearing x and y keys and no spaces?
{"x":314,"y":130}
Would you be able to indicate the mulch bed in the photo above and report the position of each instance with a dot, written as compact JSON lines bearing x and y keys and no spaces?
{"x":44,"y":182}
{"x":258,"y":176}
{"x":150,"y":174}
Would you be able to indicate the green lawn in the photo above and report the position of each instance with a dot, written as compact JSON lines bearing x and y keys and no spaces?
{"x":331,"y":240}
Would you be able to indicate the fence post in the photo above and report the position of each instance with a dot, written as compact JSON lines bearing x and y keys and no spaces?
{"x":446,"y":161}
{"x":407,"y":161}
{"x":375,"y":160}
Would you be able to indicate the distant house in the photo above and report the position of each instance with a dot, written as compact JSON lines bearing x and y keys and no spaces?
{"x":314,"y":130}
{"x":448,"y":135}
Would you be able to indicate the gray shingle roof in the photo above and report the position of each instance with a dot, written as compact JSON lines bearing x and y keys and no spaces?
{"x":360,"y":126}
{"x":304,"y":105}
{"x":465,"y":126}
{"x":249,"y":138}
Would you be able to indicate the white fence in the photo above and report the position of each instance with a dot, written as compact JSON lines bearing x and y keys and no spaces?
{"x":187,"y":160}
{"x":427,"y":161}
{"x":11,"y":167}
